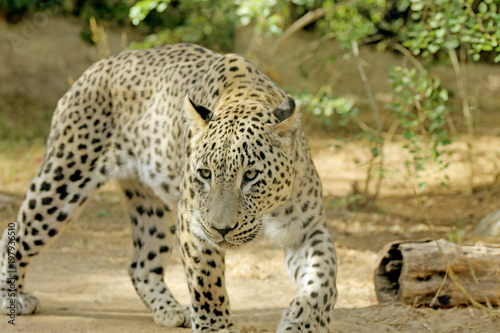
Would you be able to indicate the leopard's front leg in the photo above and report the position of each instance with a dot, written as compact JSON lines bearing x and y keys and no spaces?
{"x":204,"y":266}
{"x":312,"y":264}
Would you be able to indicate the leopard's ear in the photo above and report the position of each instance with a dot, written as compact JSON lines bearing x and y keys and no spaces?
{"x":288,"y":117}
{"x":198,"y":115}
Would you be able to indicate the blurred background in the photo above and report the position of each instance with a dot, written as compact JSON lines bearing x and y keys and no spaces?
{"x":400,"y":100}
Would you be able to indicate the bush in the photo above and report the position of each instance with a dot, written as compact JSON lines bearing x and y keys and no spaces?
{"x":208,"y":23}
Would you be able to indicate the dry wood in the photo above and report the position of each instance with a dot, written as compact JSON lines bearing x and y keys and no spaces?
{"x":414,"y":272}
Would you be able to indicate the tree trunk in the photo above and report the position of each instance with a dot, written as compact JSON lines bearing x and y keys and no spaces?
{"x":414,"y":272}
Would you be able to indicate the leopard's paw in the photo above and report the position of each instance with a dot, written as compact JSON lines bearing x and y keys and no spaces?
{"x":179,"y":316}
{"x":20,"y":303}
{"x":213,"y":329}
{"x":303,"y":317}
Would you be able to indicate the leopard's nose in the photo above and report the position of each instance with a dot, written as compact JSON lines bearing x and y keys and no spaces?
{"x":223,"y":232}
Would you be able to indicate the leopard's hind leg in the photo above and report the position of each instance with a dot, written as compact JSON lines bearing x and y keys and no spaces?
{"x":52,"y":200}
{"x":76,"y":162}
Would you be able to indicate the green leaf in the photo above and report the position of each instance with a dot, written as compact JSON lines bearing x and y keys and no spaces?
{"x":487,"y":47}
{"x":433,"y":48}
{"x":443,"y":94}
{"x":455,"y":28}
{"x":439,"y":33}
{"x":422,"y":186}
{"x":408,"y":135}
{"x":417,"y":5}
{"x":483,"y":7}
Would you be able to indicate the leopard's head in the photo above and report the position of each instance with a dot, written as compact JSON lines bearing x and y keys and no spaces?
{"x":239,"y":167}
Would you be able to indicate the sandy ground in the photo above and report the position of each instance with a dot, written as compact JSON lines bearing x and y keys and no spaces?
{"x":83,"y":285}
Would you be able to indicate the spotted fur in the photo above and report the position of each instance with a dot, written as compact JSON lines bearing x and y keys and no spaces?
{"x":208,"y":150}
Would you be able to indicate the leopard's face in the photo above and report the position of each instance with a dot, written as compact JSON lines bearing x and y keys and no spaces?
{"x":240,"y":168}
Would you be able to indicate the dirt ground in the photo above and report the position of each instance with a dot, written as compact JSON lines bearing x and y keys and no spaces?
{"x":83,"y":285}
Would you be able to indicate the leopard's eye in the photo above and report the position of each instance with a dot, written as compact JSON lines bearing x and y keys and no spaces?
{"x":205,"y":173}
{"x":250,"y":175}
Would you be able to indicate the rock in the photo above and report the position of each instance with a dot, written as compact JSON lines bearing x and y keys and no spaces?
{"x":489,"y":225}
{"x":6,"y":201}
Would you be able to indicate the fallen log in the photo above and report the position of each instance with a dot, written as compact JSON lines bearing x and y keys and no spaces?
{"x":414,"y":272}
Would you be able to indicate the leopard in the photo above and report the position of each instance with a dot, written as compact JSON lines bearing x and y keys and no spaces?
{"x":210,"y":154}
